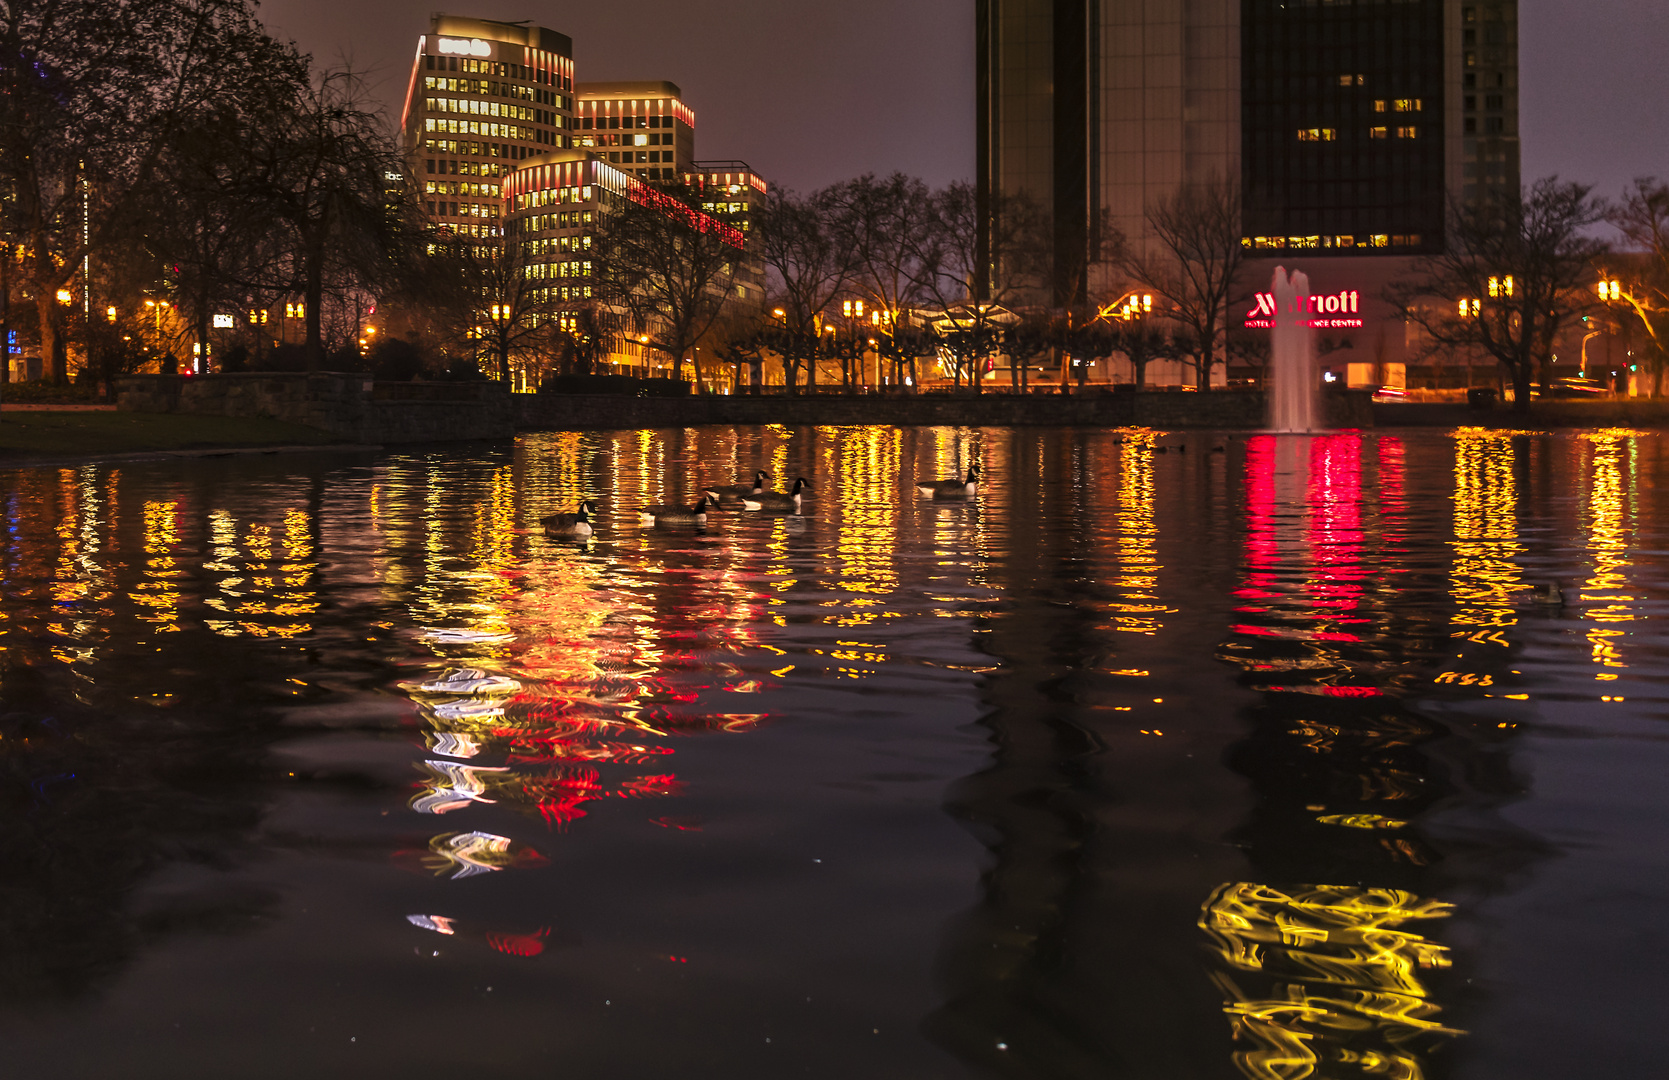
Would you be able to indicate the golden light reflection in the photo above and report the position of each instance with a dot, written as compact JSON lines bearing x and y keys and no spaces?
{"x":1136,"y":583}
{"x":1603,"y":594}
{"x":260,"y":593}
{"x":158,"y":592}
{"x":1485,"y":577}
{"x":1326,"y":980}
{"x":869,"y":464}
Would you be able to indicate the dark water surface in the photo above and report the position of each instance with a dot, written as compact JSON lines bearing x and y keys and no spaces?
{"x":1150,"y":762}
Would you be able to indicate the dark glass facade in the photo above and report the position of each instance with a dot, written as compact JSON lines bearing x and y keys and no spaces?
{"x":1342,"y":107}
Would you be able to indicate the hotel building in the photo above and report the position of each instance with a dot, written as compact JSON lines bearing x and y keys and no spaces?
{"x":482,"y":96}
{"x":1351,"y":125}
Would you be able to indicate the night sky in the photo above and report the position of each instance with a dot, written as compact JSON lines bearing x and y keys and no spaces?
{"x":809,"y":93}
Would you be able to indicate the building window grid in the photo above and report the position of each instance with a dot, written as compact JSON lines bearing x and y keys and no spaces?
{"x":1352,"y":182}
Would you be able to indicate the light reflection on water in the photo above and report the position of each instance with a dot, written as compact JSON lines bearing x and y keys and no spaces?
{"x":1231,"y":718}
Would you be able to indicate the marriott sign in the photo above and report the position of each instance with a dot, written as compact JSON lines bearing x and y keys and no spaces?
{"x":1335,"y":311}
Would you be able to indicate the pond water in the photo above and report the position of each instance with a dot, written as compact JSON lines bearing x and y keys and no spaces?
{"x":1167,"y":755}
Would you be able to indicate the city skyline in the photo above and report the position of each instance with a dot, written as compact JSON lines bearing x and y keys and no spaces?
{"x":1580,"y":103}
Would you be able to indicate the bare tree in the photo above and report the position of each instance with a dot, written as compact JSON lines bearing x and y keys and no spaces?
{"x":973,"y":270}
{"x":485,"y":301}
{"x":803,"y":243}
{"x":668,"y":265}
{"x":332,"y":174}
{"x":204,"y":215}
{"x":1642,"y":283}
{"x":1196,"y":264}
{"x":1514,"y":274}
{"x":586,"y":331}
{"x":90,"y":91}
{"x":888,"y":225}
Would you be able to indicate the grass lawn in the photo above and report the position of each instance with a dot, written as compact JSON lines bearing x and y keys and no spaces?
{"x":53,"y":434}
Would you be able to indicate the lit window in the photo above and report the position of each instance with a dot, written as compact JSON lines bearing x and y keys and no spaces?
{"x":1407,"y":105}
{"x":1304,"y":241}
{"x":1379,"y":240}
{"x":1379,"y":105}
{"x":1317,"y":134}
{"x":1379,"y":133}
{"x":1408,"y":133}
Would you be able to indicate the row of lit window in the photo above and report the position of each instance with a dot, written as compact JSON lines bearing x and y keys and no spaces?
{"x":477,"y":107}
{"x":641,"y":157}
{"x":479,"y":149}
{"x":566,"y":292}
{"x":557,"y":270}
{"x":587,"y":123}
{"x":549,"y":196}
{"x":480,"y":230}
{"x":492,"y":88}
{"x":653,"y":139}
{"x":553,"y":245}
{"x":503,"y":71}
{"x":488,"y":129}
{"x":567,"y":219}
{"x":460,"y":187}
{"x":1373,"y":240}
{"x":1332,"y":134}
{"x":463,"y":209}
{"x":464,"y":168}
{"x":725,"y":208}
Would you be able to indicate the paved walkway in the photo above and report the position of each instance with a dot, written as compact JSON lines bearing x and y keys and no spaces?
{"x":6,"y":406}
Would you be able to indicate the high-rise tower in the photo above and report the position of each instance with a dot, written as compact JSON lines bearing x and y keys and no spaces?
{"x":1350,"y":124}
{"x":483,"y":95}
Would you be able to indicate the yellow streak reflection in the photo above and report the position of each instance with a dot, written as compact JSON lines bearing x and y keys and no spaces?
{"x":1137,"y":582}
{"x":1485,"y":575}
{"x":1608,"y":524}
{"x":1343,"y":984}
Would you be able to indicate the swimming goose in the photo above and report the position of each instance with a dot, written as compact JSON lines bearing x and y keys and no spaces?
{"x":953,"y":488}
{"x":575,"y":526}
{"x":672,"y":517}
{"x":776,"y":501}
{"x":737,"y":492}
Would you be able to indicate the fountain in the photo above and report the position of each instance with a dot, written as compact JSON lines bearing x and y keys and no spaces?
{"x":1292,"y":389}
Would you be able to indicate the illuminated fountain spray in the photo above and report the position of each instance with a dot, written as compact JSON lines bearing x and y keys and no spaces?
{"x":1292,"y":389}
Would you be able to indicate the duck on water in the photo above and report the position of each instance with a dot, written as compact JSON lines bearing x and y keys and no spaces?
{"x":673,"y":517}
{"x":737,"y":492}
{"x":776,"y":501}
{"x":575,"y":526}
{"x":952,"y":488}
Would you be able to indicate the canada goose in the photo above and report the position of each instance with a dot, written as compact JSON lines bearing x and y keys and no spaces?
{"x":776,"y":501}
{"x":575,"y":526}
{"x":737,"y":492}
{"x":1550,"y":596}
{"x":672,"y":517}
{"x":953,"y":488}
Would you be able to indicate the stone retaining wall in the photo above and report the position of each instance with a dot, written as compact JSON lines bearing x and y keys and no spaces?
{"x":348,"y":405}
{"x":1221,"y":409}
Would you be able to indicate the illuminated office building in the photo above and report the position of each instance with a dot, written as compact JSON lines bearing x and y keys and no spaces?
{"x":555,"y":204}
{"x":643,"y":128}
{"x":483,"y":95}
{"x":1350,"y":124}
